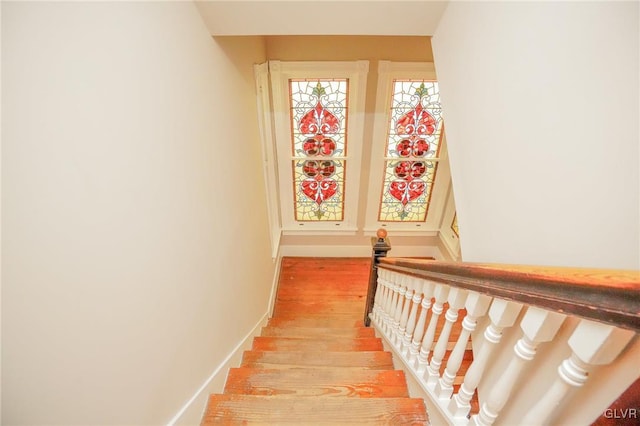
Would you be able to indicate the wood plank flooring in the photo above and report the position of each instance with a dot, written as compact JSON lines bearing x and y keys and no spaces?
{"x":314,"y":362}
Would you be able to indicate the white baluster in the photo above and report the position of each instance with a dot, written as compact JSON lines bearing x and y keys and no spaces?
{"x":502,"y":314}
{"x":538,"y":326}
{"x":427,"y":293}
{"x":377,"y":300}
{"x":386,"y":301}
{"x":476,"y":306}
{"x":391,"y":304}
{"x":404,"y":316}
{"x":456,"y":302}
{"x":413,"y":314}
{"x":592,"y":344}
{"x":383,"y":283}
{"x":440,"y":293}
{"x":397,"y":311}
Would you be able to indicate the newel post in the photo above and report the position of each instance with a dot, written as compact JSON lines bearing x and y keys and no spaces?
{"x":380,"y":246}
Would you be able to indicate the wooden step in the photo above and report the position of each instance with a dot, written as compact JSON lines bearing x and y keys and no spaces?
{"x":339,"y":321}
{"x":314,"y":332}
{"x":265,"y":410}
{"x":318,"y":307}
{"x":309,"y":382}
{"x":314,"y":362}
{"x":322,"y":289}
{"x":311,"y":294}
{"x":328,"y":344}
{"x":377,"y":360}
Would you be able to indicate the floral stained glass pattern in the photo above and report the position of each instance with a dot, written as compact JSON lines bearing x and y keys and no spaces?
{"x":318,"y":123}
{"x":413,"y":144}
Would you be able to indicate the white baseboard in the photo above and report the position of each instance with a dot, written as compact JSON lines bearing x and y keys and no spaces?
{"x":326,"y":251}
{"x":191,"y":413}
{"x":356,"y":251}
{"x":274,"y":284}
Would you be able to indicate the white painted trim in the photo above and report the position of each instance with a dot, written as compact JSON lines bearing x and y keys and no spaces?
{"x":356,"y":251}
{"x":320,"y":231}
{"x":441,"y":256}
{"x":417,"y":232}
{"x":356,"y":73}
{"x":451,"y":251}
{"x":269,"y":166}
{"x":274,"y":284}
{"x":224,"y":366}
{"x":449,"y":240}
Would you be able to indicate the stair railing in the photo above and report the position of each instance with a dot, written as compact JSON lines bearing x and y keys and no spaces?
{"x":550,"y":346}
{"x":380,"y":246}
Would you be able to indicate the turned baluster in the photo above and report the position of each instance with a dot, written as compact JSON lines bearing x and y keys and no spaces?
{"x":382,"y":297}
{"x":413,"y":314}
{"x":427,"y":293}
{"x":440,"y":293}
{"x":592,"y":344}
{"x":404,"y":316}
{"x":391,"y":303}
{"x":456,"y":302}
{"x":476,"y":306}
{"x":502,"y":314}
{"x":538,"y":326}
{"x":397,"y":312}
{"x":377,"y":298}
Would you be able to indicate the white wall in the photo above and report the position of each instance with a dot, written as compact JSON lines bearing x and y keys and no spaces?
{"x":319,"y":17}
{"x":541,"y":103}
{"x":135,"y":253}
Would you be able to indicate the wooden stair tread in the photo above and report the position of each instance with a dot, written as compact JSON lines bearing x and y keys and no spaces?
{"x":307,"y":294}
{"x":325,"y":344}
{"x":314,"y":362}
{"x":321,"y":316}
{"x":283,"y":359}
{"x":310,"y":382}
{"x":261,"y":410}
{"x":318,"y":307}
{"x":337,"y":321}
{"x":314,"y":332}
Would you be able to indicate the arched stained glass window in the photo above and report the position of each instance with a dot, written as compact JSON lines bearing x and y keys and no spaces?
{"x":319,"y":144}
{"x":413,"y":145}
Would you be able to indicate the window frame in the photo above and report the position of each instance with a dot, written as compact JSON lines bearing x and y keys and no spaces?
{"x":356,"y":73}
{"x":388,"y":72}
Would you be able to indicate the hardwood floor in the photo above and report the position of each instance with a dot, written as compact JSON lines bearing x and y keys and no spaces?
{"x":315,"y":362}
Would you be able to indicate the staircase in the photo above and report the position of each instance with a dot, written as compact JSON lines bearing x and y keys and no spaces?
{"x":314,"y":362}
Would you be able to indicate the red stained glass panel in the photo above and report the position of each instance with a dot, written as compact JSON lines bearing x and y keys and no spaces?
{"x":414,"y":133}
{"x":318,"y":134}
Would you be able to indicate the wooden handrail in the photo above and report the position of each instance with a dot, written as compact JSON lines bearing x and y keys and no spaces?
{"x":608,"y":296}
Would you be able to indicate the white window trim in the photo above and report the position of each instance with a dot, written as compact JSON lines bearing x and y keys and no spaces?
{"x":387,"y":72}
{"x":261,"y":74}
{"x":281,"y":72}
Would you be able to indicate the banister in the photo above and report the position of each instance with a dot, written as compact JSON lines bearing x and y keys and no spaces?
{"x":380,"y":247}
{"x":608,"y":296}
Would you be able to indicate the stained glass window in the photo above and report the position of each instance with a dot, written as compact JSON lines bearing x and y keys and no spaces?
{"x":412,"y":148}
{"x":319,"y":144}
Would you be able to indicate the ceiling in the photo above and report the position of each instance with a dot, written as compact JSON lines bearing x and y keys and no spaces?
{"x":314,"y":17}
